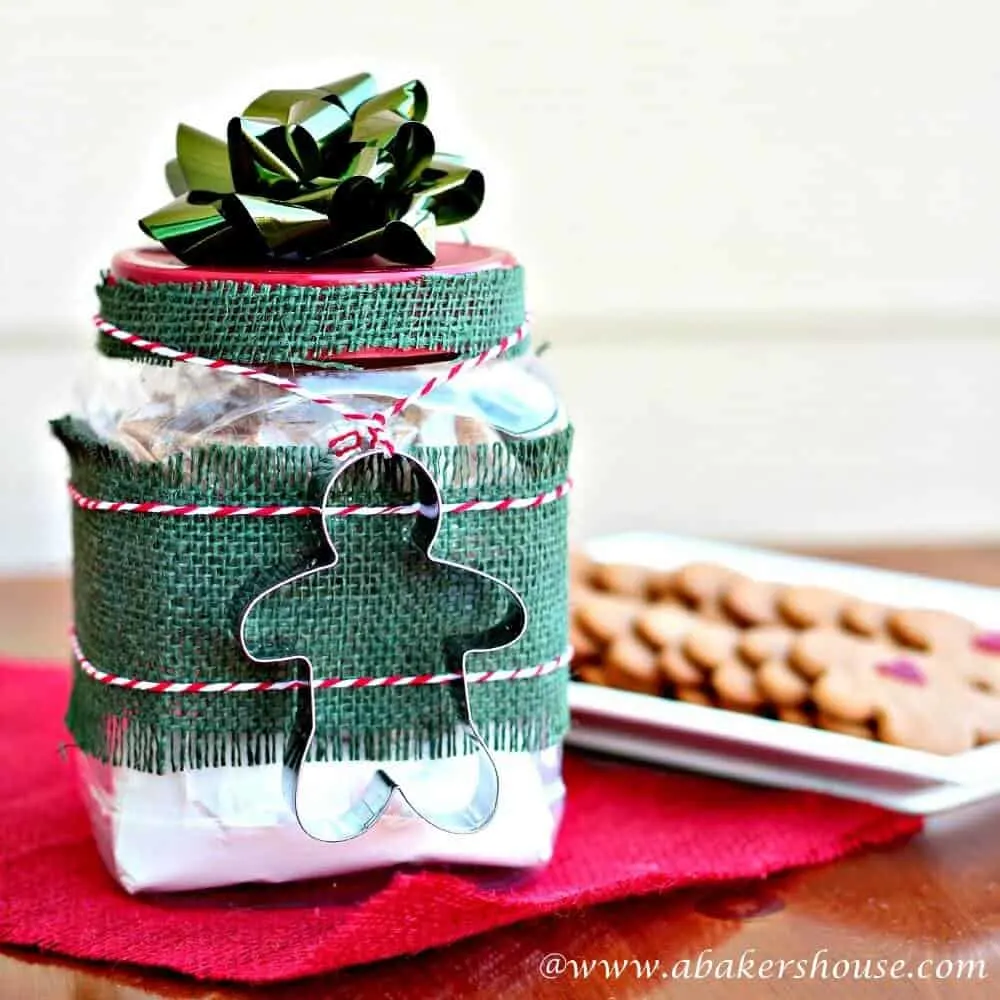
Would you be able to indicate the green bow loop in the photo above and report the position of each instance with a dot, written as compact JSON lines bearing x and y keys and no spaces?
{"x":202,"y":163}
{"x":337,"y":171}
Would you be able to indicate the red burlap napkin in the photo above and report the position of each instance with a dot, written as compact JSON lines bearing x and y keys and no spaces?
{"x":628,"y":830}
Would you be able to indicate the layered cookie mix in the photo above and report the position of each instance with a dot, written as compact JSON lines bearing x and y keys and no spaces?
{"x":805,"y":655}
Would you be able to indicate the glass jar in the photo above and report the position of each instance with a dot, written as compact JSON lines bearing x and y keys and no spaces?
{"x":203,"y":451}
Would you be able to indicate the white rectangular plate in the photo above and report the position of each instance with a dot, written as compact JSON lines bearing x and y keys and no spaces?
{"x":763,"y":751}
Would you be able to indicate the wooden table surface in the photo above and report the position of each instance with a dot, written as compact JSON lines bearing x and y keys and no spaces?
{"x":935,"y":899}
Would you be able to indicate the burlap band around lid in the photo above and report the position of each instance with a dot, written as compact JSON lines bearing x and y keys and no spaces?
{"x":272,"y":322}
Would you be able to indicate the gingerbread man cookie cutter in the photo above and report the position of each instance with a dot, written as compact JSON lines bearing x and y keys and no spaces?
{"x":375,"y":798}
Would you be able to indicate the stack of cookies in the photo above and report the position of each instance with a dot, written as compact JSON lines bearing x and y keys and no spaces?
{"x":705,"y":634}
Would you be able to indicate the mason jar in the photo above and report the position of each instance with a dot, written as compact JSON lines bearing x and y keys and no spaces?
{"x":320,"y":571}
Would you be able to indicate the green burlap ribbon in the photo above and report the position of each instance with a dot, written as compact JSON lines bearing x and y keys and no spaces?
{"x":160,"y":598}
{"x":457,"y":314}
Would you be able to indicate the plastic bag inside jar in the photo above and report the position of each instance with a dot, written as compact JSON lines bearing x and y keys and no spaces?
{"x":155,"y":411}
{"x":226,"y":825}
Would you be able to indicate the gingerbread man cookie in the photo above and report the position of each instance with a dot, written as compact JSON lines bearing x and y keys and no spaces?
{"x":912,"y":699}
{"x":586,"y":651}
{"x":715,"y":650}
{"x":783,"y":686}
{"x":663,"y":624}
{"x":623,"y":579}
{"x":632,"y":665}
{"x":974,"y":654}
{"x":580,"y":569}
{"x":602,"y":617}
{"x":864,"y":617}
{"x":766,"y":649}
{"x":750,"y":602}
{"x":930,"y":631}
{"x":766,"y":642}
{"x":809,"y":607}
{"x":666,"y":627}
{"x":701,"y":585}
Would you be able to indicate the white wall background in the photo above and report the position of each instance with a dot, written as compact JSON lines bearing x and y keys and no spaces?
{"x":784,"y":216}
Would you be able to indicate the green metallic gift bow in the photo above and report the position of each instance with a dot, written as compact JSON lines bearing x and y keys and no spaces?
{"x":338,"y":171}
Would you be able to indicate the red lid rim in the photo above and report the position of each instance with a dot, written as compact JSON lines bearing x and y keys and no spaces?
{"x":154,"y":265}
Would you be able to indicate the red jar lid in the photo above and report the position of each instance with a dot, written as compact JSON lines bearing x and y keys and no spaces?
{"x":154,"y":265}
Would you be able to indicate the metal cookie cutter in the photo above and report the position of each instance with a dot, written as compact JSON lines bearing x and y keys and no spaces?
{"x":374,"y":800}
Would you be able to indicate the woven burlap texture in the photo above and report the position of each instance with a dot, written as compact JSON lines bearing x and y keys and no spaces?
{"x":160,"y":597}
{"x":460,"y":314}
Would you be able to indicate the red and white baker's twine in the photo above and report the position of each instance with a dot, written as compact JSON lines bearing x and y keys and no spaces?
{"x":350,"y":510}
{"x":319,"y":684}
{"x":342,"y":444}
